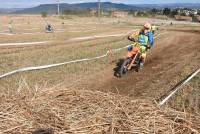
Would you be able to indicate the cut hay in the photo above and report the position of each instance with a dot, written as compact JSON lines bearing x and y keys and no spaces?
{"x":83,"y":111}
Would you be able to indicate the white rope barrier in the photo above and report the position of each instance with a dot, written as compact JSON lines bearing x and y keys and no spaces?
{"x":25,"y":43}
{"x":7,"y":34}
{"x":64,"y":63}
{"x":50,"y":66}
{"x":73,"y":39}
{"x":96,"y":36}
{"x":178,"y":87}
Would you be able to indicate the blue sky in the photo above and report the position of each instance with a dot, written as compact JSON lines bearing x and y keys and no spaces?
{"x":30,"y":3}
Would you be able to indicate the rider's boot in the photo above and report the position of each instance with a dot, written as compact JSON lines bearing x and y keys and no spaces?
{"x":138,"y":66}
{"x":143,"y":59}
{"x":141,"y":64}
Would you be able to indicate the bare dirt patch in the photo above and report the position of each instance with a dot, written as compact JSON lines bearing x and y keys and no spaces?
{"x":174,"y":55}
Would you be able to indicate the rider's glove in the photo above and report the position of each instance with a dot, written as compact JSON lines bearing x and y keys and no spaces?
{"x":148,"y":47}
{"x":131,"y":39}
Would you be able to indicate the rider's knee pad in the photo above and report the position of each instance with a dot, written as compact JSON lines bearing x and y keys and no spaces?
{"x":130,"y":47}
{"x":144,"y":55}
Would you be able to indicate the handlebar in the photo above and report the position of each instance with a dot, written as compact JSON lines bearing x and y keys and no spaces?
{"x":131,"y":39}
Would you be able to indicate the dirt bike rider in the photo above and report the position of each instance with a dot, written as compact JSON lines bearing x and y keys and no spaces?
{"x":49,"y":28}
{"x":144,"y":38}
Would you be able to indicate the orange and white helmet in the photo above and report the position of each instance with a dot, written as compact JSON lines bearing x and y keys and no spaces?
{"x":147,"y":25}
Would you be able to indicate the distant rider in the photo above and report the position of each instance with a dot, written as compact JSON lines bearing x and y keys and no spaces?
{"x":49,"y":28}
{"x":145,"y":39}
{"x":10,"y":27}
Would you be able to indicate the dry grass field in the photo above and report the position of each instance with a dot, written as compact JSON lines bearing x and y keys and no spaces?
{"x":86,"y":97}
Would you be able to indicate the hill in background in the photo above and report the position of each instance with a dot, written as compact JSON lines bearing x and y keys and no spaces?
{"x":10,"y":10}
{"x":52,"y":8}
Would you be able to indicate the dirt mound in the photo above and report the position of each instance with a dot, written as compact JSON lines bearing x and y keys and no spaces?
{"x":82,"y":111}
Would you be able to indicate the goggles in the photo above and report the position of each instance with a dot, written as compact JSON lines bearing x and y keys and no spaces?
{"x":145,"y":28}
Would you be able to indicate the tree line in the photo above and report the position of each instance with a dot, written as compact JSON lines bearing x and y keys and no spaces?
{"x":166,"y":11}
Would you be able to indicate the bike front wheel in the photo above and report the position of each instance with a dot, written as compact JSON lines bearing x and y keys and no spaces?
{"x":124,"y":67}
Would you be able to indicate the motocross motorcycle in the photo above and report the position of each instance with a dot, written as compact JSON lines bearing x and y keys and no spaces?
{"x":132,"y":60}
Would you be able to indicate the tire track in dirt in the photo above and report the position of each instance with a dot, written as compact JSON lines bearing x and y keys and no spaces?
{"x":171,"y":55}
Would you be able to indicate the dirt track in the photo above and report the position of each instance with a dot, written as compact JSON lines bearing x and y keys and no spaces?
{"x":51,"y":98}
{"x":174,"y":55}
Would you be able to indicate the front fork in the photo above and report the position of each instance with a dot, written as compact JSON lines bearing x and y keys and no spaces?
{"x":133,"y":61}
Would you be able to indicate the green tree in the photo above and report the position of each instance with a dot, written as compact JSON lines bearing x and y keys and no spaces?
{"x":166,"y":11}
{"x":154,"y":10}
{"x":174,"y":12}
{"x":198,"y":12}
{"x":194,"y":19}
{"x":44,"y":14}
{"x":85,"y":12}
{"x":182,"y":14}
